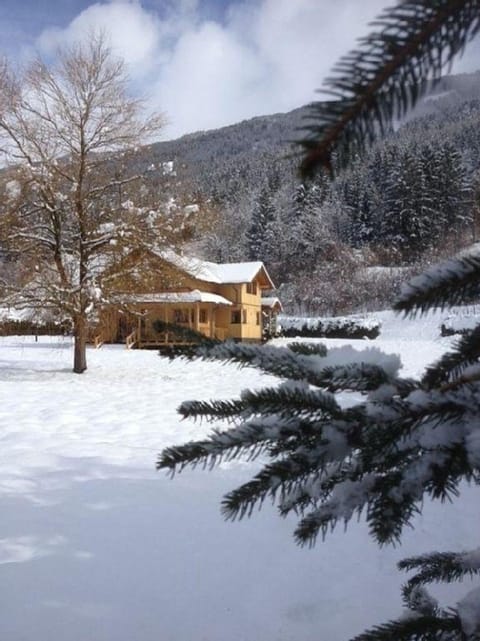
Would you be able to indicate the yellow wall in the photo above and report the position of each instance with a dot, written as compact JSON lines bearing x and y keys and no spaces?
{"x":242,"y":301}
{"x":248,"y":304}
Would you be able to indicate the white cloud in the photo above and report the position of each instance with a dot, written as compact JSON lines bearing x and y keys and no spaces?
{"x":267,"y":55}
{"x":299,"y":42}
{"x":212,"y":78}
{"x":133,"y":33}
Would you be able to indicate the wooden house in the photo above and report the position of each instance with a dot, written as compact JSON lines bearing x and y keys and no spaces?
{"x":218,"y":300}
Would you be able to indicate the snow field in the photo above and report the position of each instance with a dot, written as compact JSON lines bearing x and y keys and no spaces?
{"x":94,"y":544}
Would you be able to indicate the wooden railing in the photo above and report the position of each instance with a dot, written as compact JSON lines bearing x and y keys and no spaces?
{"x":131,"y":339}
{"x":98,"y":340}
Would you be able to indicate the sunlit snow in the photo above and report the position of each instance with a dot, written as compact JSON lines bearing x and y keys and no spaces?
{"x":95,"y":544}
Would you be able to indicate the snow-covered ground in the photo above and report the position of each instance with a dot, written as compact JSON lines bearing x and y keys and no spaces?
{"x":95,"y":545}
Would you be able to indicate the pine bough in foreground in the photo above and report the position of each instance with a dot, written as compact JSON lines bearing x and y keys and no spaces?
{"x":405,"y":440}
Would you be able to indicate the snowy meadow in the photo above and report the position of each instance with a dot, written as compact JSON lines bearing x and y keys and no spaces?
{"x":95,"y":544}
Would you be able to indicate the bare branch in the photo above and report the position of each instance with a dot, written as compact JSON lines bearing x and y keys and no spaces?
{"x":63,"y":191}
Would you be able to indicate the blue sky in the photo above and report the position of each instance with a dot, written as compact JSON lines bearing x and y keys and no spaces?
{"x":205,"y":63}
{"x":22,"y":20}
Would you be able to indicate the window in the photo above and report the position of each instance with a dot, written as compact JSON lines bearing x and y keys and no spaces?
{"x":180,"y":315}
{"x":252,"y":287}
{"x":202,"y":316}
{"x":236,"y":317}
{"x":258,"y":318}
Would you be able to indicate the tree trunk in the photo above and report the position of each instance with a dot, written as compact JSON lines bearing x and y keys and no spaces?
{"x":80,"y":346}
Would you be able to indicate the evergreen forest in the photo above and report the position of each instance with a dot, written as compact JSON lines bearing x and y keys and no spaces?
{"x":411,"y":200}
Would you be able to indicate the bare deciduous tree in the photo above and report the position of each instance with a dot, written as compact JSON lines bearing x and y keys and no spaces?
{"x":72,"y":204}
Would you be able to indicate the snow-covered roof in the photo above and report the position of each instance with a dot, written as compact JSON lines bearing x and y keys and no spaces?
{"x":15,"y":314}
{"x":221,"y":273}
{"x":195,"y":296}
{"x":26,"y":314}
{"x":388,"y":270}
{"x":271,"y":301}
{"x":474,"y":248}
{"x":239,"y":272}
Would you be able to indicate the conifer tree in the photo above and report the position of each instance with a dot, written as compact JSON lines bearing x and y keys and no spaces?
{"x":409,"y":214}
{"x":260,"y":235}
{"x":357,"y":197}
{"x":305,"y":230}
{"x":454,"y":197}
{"x":407,"y":440}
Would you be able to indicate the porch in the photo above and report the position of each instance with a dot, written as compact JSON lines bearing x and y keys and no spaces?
{"x":148,"y":333}
{"x":142,"y":324}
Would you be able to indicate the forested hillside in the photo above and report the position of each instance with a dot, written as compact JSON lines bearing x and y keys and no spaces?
{"x":330,"y":248}
{"x":411,"y":200}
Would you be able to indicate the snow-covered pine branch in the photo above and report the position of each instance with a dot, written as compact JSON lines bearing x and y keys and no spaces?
{"x":450,"y":283}
{"x":341,"y":368}
{"x":440,"y":567}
